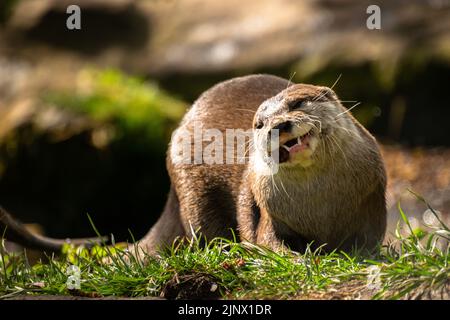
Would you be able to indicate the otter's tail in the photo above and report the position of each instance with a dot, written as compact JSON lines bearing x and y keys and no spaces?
{"x":15,"y":231}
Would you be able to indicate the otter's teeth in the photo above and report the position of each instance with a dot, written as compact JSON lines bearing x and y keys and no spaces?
{"x":286,"y":148}
{"x":299,"y":141}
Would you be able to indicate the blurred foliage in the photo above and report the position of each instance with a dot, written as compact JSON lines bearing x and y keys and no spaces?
{"x":130,"y":104}
{"x":111,"y":165}
{"x":6,"y":7}
{"x":358,"y":84}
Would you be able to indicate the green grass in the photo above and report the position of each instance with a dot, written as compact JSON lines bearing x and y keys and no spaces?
{"x":413,"y":266}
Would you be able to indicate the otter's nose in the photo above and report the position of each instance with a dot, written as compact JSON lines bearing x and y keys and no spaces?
{"x":283,"y":127}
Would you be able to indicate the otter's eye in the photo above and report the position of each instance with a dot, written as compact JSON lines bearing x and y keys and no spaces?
{"x":297,"y":104}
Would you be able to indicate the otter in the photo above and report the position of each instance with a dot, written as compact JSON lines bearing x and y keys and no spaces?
{"x":328,"y":188}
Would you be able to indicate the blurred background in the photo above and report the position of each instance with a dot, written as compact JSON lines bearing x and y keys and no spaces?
{"x":86,"y":115}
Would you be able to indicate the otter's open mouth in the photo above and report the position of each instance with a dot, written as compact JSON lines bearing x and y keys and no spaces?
{"x":294,"y":146}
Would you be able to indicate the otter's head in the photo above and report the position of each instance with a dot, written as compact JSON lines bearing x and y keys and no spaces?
{"x":311,"y":124}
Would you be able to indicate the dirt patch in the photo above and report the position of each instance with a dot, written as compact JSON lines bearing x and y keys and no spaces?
{"x":191,"y":286}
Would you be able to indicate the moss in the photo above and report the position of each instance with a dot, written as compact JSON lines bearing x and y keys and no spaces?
{"x":133,"y":106}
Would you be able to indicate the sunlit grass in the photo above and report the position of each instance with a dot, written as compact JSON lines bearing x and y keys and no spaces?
{"x":413,"y":266}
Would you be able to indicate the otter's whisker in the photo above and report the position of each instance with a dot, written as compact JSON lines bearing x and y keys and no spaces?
{"x":247,"y":110}
{"x":349,"y":109}
{"x":248,"y":148}
{"x":313,"y":123}
{"x":309,"y":119}
{"x":339,"y":147}
{"x":347,"y":131}
{"x":246,"y":156}
{"x":274,"y":184}
{"x":287,"y":194}
{"x":329,"y":150}
{"x":290,"y":79}
{"x":324,"y":93}
{"x":336,"y":82}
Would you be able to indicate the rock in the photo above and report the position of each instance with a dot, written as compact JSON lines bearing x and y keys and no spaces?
{"x":166,"y":37}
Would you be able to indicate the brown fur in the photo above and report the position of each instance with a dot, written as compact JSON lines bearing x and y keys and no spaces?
{"x":339,"y":200}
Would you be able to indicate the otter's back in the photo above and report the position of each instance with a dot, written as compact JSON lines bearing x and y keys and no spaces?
{"x":208,"y":193}
{"x":233,"y":103}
